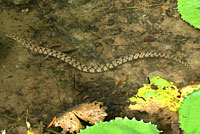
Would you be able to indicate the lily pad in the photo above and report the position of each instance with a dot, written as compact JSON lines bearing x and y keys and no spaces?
{"x":122,"y":126}
{"x":189,"y":113}
{"x":190,"y":11}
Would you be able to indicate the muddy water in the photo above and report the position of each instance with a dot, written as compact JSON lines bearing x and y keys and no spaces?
{"x":92,"y":32}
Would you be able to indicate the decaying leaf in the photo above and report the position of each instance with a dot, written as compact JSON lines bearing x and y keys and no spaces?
{"x":69,"y":123}
{"x":89,"y":112}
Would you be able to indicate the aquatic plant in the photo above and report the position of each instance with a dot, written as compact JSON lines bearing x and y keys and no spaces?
{"x":29,"y":132}
{"x":160,"y":93}
{"x":121,"y":126}
{"x":189,"y":113}
{"x":190,"y":11}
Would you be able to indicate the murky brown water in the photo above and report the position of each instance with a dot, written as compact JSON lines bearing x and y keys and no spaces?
{"x":92,"y":32}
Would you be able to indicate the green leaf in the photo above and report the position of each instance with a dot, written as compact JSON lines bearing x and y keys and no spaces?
{"x":160,"y":82}
{"x":189,"y":113}
{"x":190,"y":11}
{"x":121,"y":126}
{"x":163,"y":97}
{"x":29,"y":132}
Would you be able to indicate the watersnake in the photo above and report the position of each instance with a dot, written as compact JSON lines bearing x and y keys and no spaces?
{"x":95,"y":68}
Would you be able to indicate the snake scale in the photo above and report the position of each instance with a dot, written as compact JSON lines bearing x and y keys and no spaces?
{"x":96,"y":68}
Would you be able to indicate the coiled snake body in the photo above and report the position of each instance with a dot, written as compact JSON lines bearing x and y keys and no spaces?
{"x":96,"y":68}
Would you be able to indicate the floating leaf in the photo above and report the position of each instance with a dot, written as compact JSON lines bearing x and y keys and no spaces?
{"x":189,"y":10}
{"x":163,"y":95}
{"x":189,"y":113}
{"x":121,"y":126}
{"x":160,"y":82}
{"x":29,"y":132}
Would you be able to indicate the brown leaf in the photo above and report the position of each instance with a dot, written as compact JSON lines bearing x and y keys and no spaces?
{"x":69,"y":123}
{"x":90,"y":112}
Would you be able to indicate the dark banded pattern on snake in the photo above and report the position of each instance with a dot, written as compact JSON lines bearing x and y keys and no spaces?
{"x":96,"y":68}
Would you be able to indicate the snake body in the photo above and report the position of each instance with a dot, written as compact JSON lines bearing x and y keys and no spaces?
{"x":96,"y":68}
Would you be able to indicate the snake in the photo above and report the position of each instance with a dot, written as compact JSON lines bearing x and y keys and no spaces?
{"x":93,"y":68}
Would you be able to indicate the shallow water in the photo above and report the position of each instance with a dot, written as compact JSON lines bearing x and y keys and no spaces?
{"x":92,"y":32}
